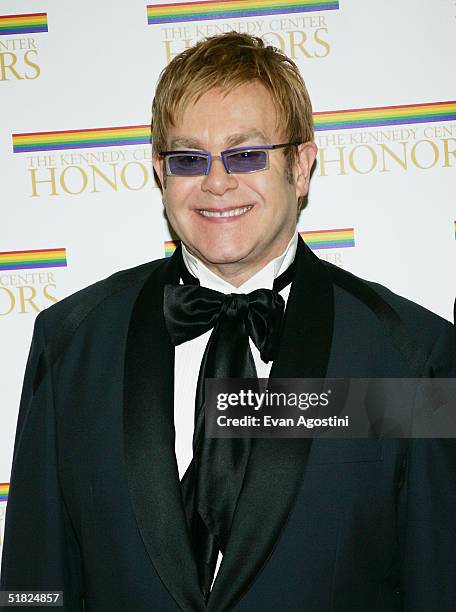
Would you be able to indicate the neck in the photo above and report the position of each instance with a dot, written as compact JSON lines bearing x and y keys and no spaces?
{"x":239,"y":272}
{"x":236,"y":274}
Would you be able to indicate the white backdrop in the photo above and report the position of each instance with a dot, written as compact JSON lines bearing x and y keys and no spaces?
{"x":75,"y":214}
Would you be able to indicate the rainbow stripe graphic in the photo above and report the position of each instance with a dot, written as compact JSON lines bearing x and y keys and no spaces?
{"x":385,"y":115}
{"x":82,"y":139}
{"x":329,"y":239}
{"x":23,"y":24}
{"x":315,"y":239}
{"x":455,"y":230}
{"x":228,"y":9}
{"x":141,"y":134}
{"x":170,"y":247}
{"x":4,"y":490}
{"x":40,"y":258}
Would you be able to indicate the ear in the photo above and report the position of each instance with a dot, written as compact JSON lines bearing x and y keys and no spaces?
{"x":304,"y":161}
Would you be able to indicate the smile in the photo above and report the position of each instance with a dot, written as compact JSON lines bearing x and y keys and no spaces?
{"x":234,"y":212}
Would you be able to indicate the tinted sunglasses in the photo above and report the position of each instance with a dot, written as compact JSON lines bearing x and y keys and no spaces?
{"x":235,"y":161}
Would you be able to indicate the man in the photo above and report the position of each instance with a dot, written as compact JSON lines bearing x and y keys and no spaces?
{"x":106,"y":501}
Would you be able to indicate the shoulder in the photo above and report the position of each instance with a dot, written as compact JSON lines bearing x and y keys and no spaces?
{"x":73,"y":309}
{"x":420,"y":334}
{"x":377,"y":297}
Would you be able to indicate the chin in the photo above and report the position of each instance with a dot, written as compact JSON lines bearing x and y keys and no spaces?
{"x":222,"y":254}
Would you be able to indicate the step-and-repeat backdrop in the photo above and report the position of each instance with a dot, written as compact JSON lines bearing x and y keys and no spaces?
{"x":78,"y":198}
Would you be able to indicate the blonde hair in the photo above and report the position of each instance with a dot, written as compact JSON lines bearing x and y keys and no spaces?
{"x":227,"y":61}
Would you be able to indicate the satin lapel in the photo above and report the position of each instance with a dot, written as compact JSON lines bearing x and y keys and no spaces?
{"x":276,"y":467}
{"x":309,"y":320}
{"x":149,"y":443}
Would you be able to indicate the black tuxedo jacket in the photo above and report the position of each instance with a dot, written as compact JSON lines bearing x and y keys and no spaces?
{"x":95,"y":506}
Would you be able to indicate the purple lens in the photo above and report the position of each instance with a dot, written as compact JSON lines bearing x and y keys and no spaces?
{"x":247,"y":161}
{"x":187,"y":164}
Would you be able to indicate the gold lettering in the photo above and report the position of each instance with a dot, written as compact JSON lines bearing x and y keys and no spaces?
{"x":11,"y":299}
{"x":447,"y":152}
{"x":47,"y":295}
{"x":37,"y":69}
{"x":434,"y":149}
{"x":351,"y":159}
{"x":123,"y":175}
{"x":169,"y":54}
{"x":294,"y":44}
{"x":322,"y":161}
{"x":335,"y":258}
{"x":82,"y":174}
{"x":401,"y":162}
{"x":4,"y":66}
{"x":142,"y":154}
{"x":280,"y":43}
{"x":29,"y":299}
{"x":35,"y":182}
{"x":97,"y":172}
{"x":322,"y":43}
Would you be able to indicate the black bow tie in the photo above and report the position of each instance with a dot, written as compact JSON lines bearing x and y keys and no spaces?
{"x":212,"y":483}
{"x":191,"y":310}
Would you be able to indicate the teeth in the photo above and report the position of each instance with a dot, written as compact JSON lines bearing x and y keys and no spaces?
{"x":226,"y":213}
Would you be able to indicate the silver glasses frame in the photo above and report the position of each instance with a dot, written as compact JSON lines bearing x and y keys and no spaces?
{"x":223,"y":157}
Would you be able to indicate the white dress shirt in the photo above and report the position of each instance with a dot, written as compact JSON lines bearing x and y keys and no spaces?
{"x":188,"y":355}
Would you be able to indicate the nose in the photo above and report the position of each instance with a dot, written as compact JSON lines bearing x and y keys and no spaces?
{"x":218,"y":181}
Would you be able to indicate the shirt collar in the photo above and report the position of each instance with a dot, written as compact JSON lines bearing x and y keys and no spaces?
{"x":263,"y":279}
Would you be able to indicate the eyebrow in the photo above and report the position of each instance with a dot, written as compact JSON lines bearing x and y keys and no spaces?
{"x":232,"y":141}
{"x":237,"y":139}
{"x":187,"y":143}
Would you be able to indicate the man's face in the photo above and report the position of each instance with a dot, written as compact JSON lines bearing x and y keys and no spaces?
{"x":263,"y":204}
